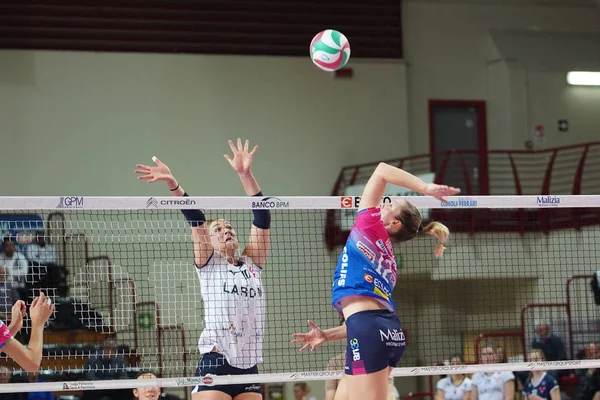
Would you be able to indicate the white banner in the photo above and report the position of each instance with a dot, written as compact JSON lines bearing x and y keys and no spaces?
{"x":213,"y":380}
{"x":283,"y":203}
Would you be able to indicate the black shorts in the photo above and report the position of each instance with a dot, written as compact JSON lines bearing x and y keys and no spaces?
{"x":216,"y":364}
{"x":375,"y":342}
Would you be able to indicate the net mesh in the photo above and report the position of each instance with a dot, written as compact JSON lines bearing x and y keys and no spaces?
{"x":129,"y":275}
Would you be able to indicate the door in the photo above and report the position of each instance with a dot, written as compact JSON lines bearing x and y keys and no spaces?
{"x":460,"y":125}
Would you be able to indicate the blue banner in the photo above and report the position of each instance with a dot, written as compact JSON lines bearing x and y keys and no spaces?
{"x":21,"y":228}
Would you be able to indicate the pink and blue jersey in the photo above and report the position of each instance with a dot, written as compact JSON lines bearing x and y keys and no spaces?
{"x":367,"y":265}
{"x":5,"y":334}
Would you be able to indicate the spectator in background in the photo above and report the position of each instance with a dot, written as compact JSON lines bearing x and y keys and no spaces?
{"x":301,"y":391}
{"x":454,"y":387}
{"x":589,"y":379}
{"x":551,"y":345}
{"x":8,"y":295}
{"x":41,"y":252}
{"x":592,"y":352}
{"x":540,"y":385}
{"x":6,"y":377}
{"x":147,"y":393}
{"x":494,"y":385}
{"x":35,"y":377}
{"x":106,"y":364}
{"x":16,"y":265}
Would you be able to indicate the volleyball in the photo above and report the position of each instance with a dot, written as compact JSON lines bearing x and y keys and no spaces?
{"x":330,"y":50}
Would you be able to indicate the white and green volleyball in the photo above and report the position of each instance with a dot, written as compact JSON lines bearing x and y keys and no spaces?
{"x":330,"y":50}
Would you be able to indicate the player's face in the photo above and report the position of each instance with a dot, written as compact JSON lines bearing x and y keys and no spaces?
{"x":455,"y":361}
{"x":223,"y":236}
{"x":390,"y":213}
{"x":535,"y":357}
{"x":488,"y":356}
{"x":147,"y":393}
{"x":298,"y":392}
{"x":9,"y":248}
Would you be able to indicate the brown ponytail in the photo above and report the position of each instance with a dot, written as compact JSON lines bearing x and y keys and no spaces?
{"x":440,"y":231}
{"x":411,"y":227}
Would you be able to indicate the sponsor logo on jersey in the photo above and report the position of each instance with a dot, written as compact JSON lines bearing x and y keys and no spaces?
{"x":382,"y":247}
{"x":343,"y":268}
{"x":368,"y":278}
{"x":243,"y":291}
{"x":245,"y":272}
{"x":381,"y":290}
{"x":233,"y":331}
{"x":392,"y":337}
{"x":355,"y":349}
{"x":366,"y":251}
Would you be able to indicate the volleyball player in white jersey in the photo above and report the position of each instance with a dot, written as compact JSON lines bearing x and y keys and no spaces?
{"x":231,"y":286}
{"x":454,"y":387}
{"x":494,"y":385}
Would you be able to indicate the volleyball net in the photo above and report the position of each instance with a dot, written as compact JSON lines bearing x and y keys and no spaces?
{"x":121,"y":273}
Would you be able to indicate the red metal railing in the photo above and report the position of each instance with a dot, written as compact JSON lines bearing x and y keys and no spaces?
{"x":571,"y":169}
{"x":577,"y":309}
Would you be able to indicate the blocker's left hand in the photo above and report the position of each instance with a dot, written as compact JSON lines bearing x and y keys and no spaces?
{"x":242,"y":158}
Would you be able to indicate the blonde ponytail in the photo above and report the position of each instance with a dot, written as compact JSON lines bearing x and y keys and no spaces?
{"x":441,"y":233}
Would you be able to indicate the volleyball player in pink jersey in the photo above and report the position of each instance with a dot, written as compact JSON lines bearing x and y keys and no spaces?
{"x":30,"y":357}
{"x":365,"y":277}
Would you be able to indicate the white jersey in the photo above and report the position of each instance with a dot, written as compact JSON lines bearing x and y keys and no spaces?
{"x":453,"y":392}
{"x":491,"y":387}
{"x":234,"y":310}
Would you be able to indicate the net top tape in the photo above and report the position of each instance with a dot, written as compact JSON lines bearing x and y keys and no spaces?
{"x":291,"y":203}
{"x":212,"y":380}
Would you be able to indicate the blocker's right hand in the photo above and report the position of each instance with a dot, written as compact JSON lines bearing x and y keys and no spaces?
{"x":152,"y":174}
{"x":41,"y":309}
{"x":313,"y":339}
